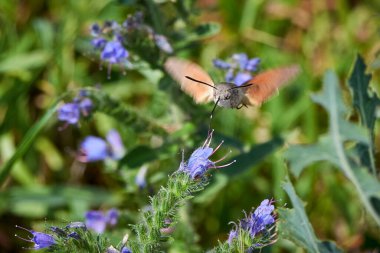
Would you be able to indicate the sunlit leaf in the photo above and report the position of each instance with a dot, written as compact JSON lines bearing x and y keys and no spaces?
{"x":365,"y":103}
{"x":332,"y":148}
{"x":295,"y":226}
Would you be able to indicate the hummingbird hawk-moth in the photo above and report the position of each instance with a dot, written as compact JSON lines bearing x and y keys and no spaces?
{"x":197,"y":83}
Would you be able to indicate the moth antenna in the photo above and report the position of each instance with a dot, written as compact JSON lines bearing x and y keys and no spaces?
{"x":242,"y":86}
{"x":195,"y":80}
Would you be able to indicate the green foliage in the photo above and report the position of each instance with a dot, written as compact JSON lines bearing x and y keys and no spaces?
{"x":45,"y":51}
{"x":163,"y":213}
{"x":365,"y":102}
{"x":332,"y":147}
{"x":295,"y":225}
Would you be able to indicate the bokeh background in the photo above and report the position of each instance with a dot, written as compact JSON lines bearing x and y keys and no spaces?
{"x":45,"y":51}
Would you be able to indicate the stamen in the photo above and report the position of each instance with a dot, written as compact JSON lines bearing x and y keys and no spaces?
{"x":224,"y":157}
{"x":19,"y":237}
{"x":217,"y":147}
{"x":225,"y":165}
{"x":208,"y":139}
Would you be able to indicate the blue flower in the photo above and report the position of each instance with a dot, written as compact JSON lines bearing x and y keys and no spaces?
{"x":69,"y":112}
{"x":140,"y":177}
{"x":232,"y":235}
{"x":125,"y":250}
{"x":40,"y":240}
{"x":199,"y":162}
{"x":252,"y":65}
{"x":218,"y":63}
{"x":242,"y":77}
{"x":112,"y":216}
{"x":162,"y":43}
{"x":241,"y":59}
{"x":95,"y":30}
{"x":85,"y":106}
{"x":77,"y":224}
{"x":238,"y":69}
{"x":98,"y":221}
{"x":96,"y":149}
{"x":98,"y":43}
{"x":114,"y":52}
{"x":116,"y":145}
{"x":259,"y":220}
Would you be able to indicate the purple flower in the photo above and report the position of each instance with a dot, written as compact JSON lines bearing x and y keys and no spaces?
{"x":69,"y":112}
{"x":114,"y":52}
{"x":77,"y":224}
{"x":199,"y":161}
{"x":252,"y":65}
{"x":241,"y":77}
{"x":140,"y":177}
{"x":85,"y":106}
{"x":95,"y":30}
{"x":231,"y":236}
{"x":239,"y":69}
{"x":221,"y":64}
{"x":241,"y":59}
{"x":98,"y":221}
{"x":95,"y":149}
{"x":259,"y":220}
{"x":229,"y":76}
{"x":40,"y":240}
{"x":74,"y":235}
{"x":133,"y":21}
{"x":162,"y":43}
{"x":125,"y":250}
{"x":116,"y":145}
{"x":98,"y":43}
{"x":112,"y":216}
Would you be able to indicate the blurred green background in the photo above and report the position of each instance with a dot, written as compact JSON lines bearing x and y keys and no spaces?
{"x":44,"y":51}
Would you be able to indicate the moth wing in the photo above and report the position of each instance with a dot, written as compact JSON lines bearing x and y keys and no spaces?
{"x":179,"y":69}
{"x":265,"y":84}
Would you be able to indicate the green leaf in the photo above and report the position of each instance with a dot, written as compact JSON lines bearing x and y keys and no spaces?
{"x":207,"y":30}
{"x":332,"y":148}
{"x":27,"y":141}
{"x":138,"y":156}
{"x":365,"y":103}
{"x":257,"y":153}
{"x":295,"y":226}
{"x":24,"y":61}
{"x":211,"y":192}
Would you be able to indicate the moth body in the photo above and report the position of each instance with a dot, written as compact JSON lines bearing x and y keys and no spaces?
{"x":197,"y":83}
{"x":228,"y":95}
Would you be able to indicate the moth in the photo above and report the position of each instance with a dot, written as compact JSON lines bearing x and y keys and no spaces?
{"x":197,"y":83}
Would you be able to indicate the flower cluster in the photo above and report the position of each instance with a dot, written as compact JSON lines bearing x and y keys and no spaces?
{"x":109,"y":41}
{"x":258,"y":225}
{"x":44,"y":240}
{"x":71,"y":112}
{"x":199,"y":162}
{"x":96,"y":149}
{"x":98,"y":220}
{"x":238,"y":68}
{"x":112,"y":39}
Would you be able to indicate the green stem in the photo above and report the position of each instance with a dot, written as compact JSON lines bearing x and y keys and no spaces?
{"x":28,"y":140}
{"x":155,"y":15}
